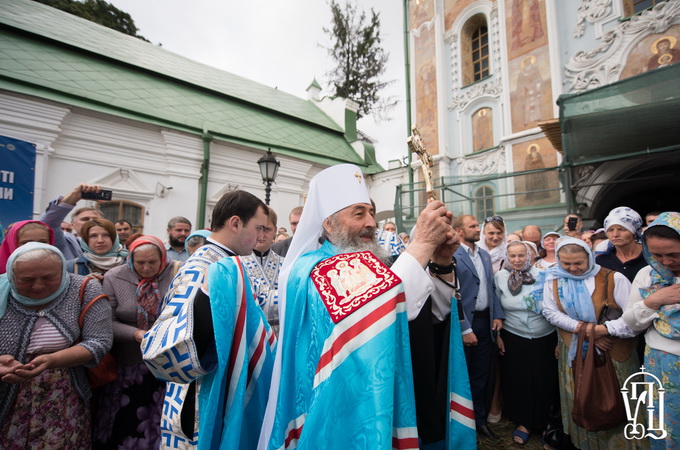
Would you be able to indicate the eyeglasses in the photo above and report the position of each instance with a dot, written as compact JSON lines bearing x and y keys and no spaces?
{"x":493,"y":219}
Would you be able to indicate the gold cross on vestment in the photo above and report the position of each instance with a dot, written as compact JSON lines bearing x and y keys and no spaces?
{"x":359,"y":176}
{"x":415,"y":144}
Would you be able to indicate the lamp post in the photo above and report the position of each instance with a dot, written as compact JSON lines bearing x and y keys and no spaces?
{"x":269,"y":167}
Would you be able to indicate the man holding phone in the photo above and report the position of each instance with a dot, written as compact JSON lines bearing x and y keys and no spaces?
{"x":573,"y":225}
{"x":58,"y":209}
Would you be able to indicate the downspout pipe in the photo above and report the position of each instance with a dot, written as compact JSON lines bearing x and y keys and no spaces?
{"x":203,"y":194}
{"x":407,"y":79}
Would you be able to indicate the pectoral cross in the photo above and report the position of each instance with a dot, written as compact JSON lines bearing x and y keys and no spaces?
{"x":415,"y":144}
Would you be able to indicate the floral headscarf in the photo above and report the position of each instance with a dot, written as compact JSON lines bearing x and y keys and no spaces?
{"x":668,"y":322}
{"x":11,"y":241}
{"x":522,"y":276}
{"x":627,"y":218}
{"x":148,"y":296}
{"x":7,"y":279}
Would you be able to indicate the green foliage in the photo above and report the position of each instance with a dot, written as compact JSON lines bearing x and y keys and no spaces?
{"x":360,"y":59}
{"x":98,"y":11}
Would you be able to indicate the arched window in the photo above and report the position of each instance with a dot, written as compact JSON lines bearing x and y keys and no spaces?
{"x":121,"y":209}
{"x":484,"y":203}
{"x":475,"y":50}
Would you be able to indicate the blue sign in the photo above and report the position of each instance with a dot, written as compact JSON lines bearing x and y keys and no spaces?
{"x":17,"y":180}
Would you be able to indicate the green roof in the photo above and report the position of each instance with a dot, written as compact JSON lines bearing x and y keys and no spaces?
{"x":51,"y":54}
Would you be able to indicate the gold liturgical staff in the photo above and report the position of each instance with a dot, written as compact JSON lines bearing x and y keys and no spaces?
{"x":415,"y":144}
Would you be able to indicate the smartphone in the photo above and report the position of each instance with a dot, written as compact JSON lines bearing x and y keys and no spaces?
{"x":571,"y":223}
{"x":104,"y":194}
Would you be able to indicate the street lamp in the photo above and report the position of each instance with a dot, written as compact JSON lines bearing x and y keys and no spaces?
{"x":269,"y":167}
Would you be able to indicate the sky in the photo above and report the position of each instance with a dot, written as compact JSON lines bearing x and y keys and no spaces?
{"x":279,"y":43}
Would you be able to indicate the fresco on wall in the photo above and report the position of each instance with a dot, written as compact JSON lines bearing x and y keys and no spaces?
{"x":482,"y":129}
{"x":452,"y":9}
{"x":526,"y":25}
{"x":420,"y":11}
{"x":530,"y":90}
{"x":531,"y":188}
{"x":657,"y":50}
{"x":426,"y":88}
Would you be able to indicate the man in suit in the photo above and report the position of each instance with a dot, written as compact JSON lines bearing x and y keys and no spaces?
{"x":281,"y":247}
{"x":483,"y":315}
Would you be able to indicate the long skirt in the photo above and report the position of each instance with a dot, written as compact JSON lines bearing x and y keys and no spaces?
{"x":48,"y":414}
{"x":129,"y":410}
{"x":665,"y":367}
{"x":605,"y":440}
{"x":529,"y":378}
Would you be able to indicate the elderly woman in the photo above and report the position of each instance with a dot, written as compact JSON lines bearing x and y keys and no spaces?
{"x":493,"y":240}
{"x":574,"y":296}
{"x":263,"y":266}
{"x":527,"y":346}
{"x":130,"y":407}
{"x":548,"y":243}
{"x":654,"y":305}
{"x":101,"y":247}
{"x":43,"y":351}
{"x":21,"y":233}
{"x":623,"y":228}
{"x":196,"y":240}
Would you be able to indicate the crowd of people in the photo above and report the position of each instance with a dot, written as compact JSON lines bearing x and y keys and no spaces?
{"x":340,"y":335}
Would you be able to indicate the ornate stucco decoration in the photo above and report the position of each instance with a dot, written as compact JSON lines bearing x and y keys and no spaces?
{"x":487,"y":163}
{"x":592,"y":11}
{"x":603,"y":64}
{"x":493,"y":86}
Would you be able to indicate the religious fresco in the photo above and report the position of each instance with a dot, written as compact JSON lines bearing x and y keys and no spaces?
{"x":426,"y":88}
{"x":531,"y":189}
{"x":656,"y":50}
{"x":420,"y":11}
{"x":482,"y":129}
{"x":526,"y":25}
{"x":452,"y":9}
{"x":530,"y":89}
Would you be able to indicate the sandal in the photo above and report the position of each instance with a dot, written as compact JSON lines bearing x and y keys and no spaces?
{"x":520,"y":437}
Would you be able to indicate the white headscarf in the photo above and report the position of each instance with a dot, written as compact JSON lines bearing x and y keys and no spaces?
{"x":499,"y":252}
{"x":627,"y":218}
{"x":330,"y":191}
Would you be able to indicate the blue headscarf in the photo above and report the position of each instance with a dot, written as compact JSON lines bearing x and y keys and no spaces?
{"x":668,"y":322}
{"x":627,"y":218}
{"x":204,"y":233}
{"x":7,"y":279}
{"x":572,"y":290}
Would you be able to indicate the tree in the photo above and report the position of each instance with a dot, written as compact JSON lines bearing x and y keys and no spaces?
{"x":98,"y":11}
{"x":360,"y":60}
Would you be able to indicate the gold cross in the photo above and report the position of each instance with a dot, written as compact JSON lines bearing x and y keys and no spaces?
{"x":415,"y":144}
{"x":358,"y":175}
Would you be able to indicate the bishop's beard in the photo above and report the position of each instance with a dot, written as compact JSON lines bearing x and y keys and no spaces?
{"x":347,"y":243}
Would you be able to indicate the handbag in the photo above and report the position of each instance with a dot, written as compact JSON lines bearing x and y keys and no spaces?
{"x":106,"y":371}
{"x":598,"y":403}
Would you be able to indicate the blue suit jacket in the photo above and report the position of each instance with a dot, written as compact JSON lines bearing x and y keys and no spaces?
{"x":469,"y":287}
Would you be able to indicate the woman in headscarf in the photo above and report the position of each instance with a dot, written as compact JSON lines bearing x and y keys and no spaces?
{"x":527,"y":346}
{"x":43,"y":351}
{"x":196,"y":240}
{"x":21,"y":233}
{"x":101,"y":247}
{"x":574,"y":295}
{"x":493,"y":241}
{"x":129,"y":408}
{"x":623,"y":228}
{"x":654,"y":305}
{"x":548,"y":244}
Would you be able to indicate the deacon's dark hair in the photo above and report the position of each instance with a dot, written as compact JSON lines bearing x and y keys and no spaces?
{"x":236,"y":203}
{"x":662,"y":232}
